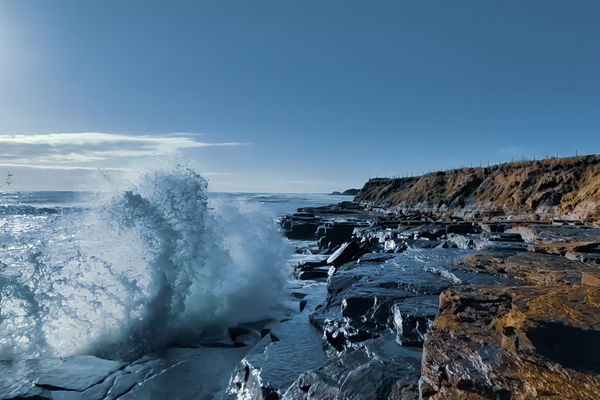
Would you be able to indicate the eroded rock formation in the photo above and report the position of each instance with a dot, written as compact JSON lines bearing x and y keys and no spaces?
{"x":549,"y":188}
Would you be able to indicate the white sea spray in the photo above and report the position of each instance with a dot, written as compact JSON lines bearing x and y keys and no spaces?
{"x":148,"y":265}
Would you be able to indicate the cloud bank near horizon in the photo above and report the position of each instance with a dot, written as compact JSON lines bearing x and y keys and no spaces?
{"x":87,"y":150}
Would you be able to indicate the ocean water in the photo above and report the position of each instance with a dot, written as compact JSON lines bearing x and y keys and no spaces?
{"x":158,"y":263}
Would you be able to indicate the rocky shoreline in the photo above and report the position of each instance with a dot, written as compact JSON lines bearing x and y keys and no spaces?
{"x":422,"y":306}
{"x":392,"y":301}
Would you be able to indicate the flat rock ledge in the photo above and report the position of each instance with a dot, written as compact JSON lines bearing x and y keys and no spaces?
{"x":530,"y":342}
{"x":532,"y":268}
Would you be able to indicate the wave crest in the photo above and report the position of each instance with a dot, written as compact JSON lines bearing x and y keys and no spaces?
{"x":151,"y":265}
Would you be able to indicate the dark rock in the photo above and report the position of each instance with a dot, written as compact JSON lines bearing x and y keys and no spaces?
{"x":334,"y":233}
{"x":464,"y":228}
{"x":78,"y":373}
{"x":311,"y":265}
{"x":299,"y":230}
{"x":531,"y":268}
{"x":347,"y":252}
{"x":314,"y":274}
{"x":361,"y":296}
{"x":413,"y":318}
{"x":422,"y":243}
{"x":356,"y":375}
{"x":302,"y":305}
{"x":357,"y":307}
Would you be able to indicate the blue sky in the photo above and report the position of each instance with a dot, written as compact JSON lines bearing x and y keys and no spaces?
{"x":293,"y":96}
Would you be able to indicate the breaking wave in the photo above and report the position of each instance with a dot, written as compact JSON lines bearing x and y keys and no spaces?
{"x":152,"y":265}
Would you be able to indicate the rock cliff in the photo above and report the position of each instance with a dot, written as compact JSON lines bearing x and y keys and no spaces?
{"x":547,"y":189}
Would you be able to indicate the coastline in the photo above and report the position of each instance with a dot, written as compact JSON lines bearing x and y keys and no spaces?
{"x":515,"y":317}
{"x":386,"y":302}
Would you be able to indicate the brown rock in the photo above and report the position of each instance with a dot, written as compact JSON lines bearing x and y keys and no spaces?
{"x":539,"y":342}
{"x":590,"y":279}
{"x":531,"y":268}
{"x":548,"y":189}
{"x":559,"y":239}
{"x":405,"y":391}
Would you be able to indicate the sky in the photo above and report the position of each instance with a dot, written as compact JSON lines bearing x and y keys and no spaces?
{"x":292,"y":96}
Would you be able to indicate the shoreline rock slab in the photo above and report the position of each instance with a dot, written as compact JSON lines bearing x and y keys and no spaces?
{"x":559,"y":240}
{"x":78,"y":373}
{"x":517,"y":343}
{"x":530,"y":268}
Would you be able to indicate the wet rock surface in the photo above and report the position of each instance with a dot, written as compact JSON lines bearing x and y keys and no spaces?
{"x":359,"y":375}
{"x":497,"y":336}
{"x":514,"y":343}
{"x":78,"y":373}
{"x":561,"y":238}
{"x":178,"y":373}
{"x":407,"y":305}
{"x":530,"y":268}
{"x":369,"y":296}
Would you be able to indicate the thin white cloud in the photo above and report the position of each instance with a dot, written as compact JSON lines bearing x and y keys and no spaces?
{"x":88,"y":150}
{"x":61,"y":167}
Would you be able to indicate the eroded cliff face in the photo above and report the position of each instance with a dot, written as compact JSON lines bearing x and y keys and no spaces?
{"x":552,"y":188}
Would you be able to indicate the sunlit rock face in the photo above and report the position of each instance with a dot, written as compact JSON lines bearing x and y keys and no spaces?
{"x":530,"y":268}
{"x":545,"y":189}
{"x":514,"y":343}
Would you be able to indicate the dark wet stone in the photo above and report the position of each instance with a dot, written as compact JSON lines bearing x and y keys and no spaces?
{"x":464,"y":228}
{"x":335,"y":233}
{"x":78,"y":373}
{"x":347,"y":252}
{"x":571,"y":347}
{"x":362,"y":296}
{"x":356,"y":375}
{"x":356,"y":307}
{"x":300,"y":226}
{"x":311,"y":265}
{"x":421,"y":243}
{"x":314,"y":274}
{"x":302,"y":305}
{"x":413,"y":319}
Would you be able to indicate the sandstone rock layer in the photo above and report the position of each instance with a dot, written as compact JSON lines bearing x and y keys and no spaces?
{"x":531,"y":342}
{"x":568,"y":187}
